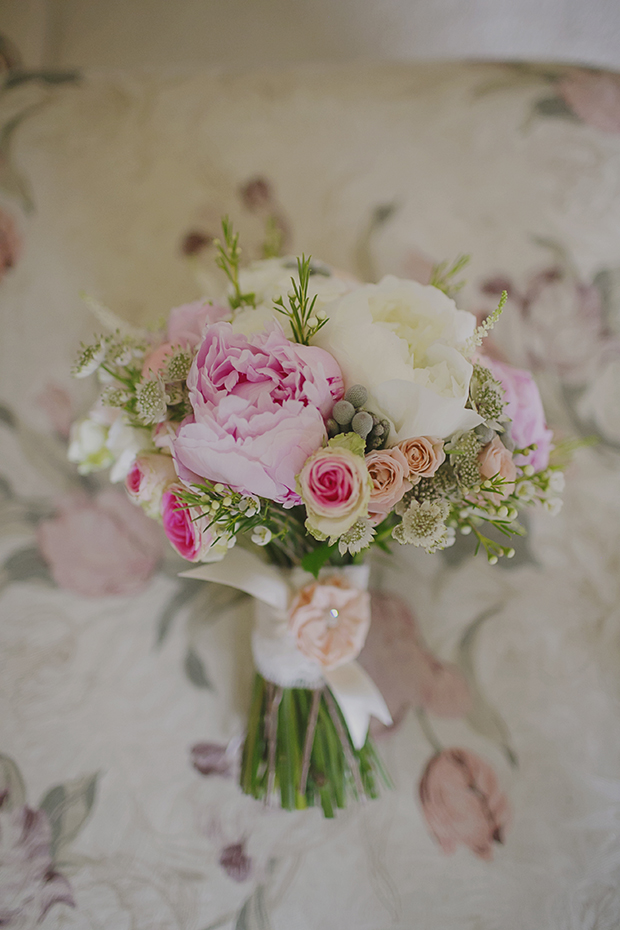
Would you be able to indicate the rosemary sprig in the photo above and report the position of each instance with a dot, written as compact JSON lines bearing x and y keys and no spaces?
{"x":305,"y":323}
{"x":227,"y":258}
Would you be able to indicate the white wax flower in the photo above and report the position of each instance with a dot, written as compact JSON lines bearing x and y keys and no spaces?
{"x":401,"y":340}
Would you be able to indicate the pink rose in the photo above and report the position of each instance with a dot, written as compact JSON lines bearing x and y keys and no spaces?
{"x":102,"y":545}
{"x":525,"y":409}
{"x":462,"y":802}
{"x":189,"y":532}
{"x":186,"y":324}
{"x":594,"y":96}
{"x":330,"y":621}
{"x":149,"y":477}
{"x":389,"y":473}
{"x":258,"y":404}
{"x":495,"y":459}
{"x":335,"y":487}
{"x":424,"y":455}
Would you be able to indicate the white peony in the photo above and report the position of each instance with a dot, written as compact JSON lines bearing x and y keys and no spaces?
{"x":401,"y":340}
{"x":87,"y":446}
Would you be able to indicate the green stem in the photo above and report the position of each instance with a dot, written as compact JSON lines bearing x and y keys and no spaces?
{"x":427,"y":729}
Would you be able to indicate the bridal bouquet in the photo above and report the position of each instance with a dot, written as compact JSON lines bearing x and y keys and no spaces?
{"x":278,"y":434}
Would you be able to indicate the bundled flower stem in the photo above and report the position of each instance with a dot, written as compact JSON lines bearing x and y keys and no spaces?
{"x":298,"y":751}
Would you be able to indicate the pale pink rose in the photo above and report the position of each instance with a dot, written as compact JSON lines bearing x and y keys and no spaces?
{"x":495,"y":459}
{"x":149,"y":477}
{"x":259,"y":405}
{"x":29,"y":882}
{"x":462,"y":802}
{"x":407,"y":674}
{"x":101,"y":545}
{"x":424,"y":455}
{"x":330,"y":621}
{"x":389,"y":473}
{"x":186,"y":324}
{"x":594,"y":96}
{"x":155,"y":362}
{"x":525,"y":409}
{"x":188,"y":532}
{"x":335,"y":487}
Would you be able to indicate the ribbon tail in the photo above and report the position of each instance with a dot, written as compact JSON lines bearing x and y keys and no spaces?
{"x":245,"y":571}
{"x":358,"y":698}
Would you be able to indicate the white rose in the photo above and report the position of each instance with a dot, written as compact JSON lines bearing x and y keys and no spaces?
{"x":87,"y":446}
{"x":399,"y":339}
{"x":125,"y":442}
{"x":271,"y":278}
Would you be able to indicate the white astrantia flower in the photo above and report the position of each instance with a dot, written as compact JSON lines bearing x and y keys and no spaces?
{"x":358,"y":537}
{"x":89,"y":359}
{"x":401,"y":340}
{"x":424,"y":525}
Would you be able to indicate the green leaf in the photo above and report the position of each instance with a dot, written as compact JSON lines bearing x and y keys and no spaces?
{"x":15,"y":78}
{"x":555,"y":107}
{"x":67,"y":807}
{"x":176,"y":603}
{"x":253,"y":915}
{"x":314,"y":561}
{"x":351,"y":441}
{"x":27,"y":565}
{"x":195,"y":670}
{"x":12,"y":782}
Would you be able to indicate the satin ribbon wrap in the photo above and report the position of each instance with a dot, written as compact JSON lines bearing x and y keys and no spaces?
{"x":276,"y":655}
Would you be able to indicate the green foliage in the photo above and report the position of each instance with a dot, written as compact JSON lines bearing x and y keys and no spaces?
{"x":300,"y":308}
{"x":444,"y":274}
{"x":227,"y":259}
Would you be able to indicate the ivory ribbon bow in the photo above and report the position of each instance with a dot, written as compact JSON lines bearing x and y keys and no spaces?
{"x":275,"y":653}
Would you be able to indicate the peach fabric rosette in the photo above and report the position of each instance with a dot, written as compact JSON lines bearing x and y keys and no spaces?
{"x":308,"y":632}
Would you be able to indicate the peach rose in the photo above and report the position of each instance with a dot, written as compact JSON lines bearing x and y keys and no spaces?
{"x":330,"y":621}
{"x":424,"y":455}
{"x":495,"y":459}
{"x":389,"y":471}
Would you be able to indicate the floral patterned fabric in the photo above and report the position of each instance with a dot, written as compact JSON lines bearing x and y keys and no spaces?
{"x":123,"y":688}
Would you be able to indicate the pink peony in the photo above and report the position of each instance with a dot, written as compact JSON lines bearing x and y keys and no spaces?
{"x":335,"y":487}
{"x":98,"y":546}
{"x":330,"y":621}
{"x":188,"y":532}
{"x":258,"y":404}
{"x":186,"y":324}
{"x":389,"y":473}
{"x":525,"y":409}
{"x":462,"y":802}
